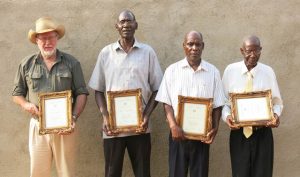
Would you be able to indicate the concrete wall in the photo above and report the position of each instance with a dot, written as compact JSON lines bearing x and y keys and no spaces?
{"x":162,"y":24}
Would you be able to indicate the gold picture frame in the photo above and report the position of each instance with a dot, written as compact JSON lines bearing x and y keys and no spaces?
{"x":190,"y":109}
{"x":252,"y":108}
{"x":55,"y":112}
{"x":125,"y":110}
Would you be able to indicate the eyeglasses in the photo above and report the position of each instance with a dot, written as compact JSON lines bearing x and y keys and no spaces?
{"x":254,"y":51}
{"x":45,"y":38}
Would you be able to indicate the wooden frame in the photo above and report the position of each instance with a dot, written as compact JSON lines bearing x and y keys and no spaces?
{"x":201,"y":107}
{"x":251,"y":109}
{"x":57,"y":107}
{"x":125,"y":110}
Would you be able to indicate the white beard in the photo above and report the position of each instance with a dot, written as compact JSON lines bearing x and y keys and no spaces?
{"x":48,"y":54}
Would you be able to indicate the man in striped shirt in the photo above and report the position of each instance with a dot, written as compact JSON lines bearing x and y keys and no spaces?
{"x":191,"y":77}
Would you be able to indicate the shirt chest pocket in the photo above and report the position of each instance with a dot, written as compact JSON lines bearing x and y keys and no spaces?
{"x":63,"y":80}
{"x":35,"y":81}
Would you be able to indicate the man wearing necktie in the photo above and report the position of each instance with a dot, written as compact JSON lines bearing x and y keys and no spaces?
{"x":251,"y":148}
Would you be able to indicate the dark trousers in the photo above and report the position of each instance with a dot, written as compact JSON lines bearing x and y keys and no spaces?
{"x":139,"y":150}
{"x":252,"y":157}
{"x":188,"y":155}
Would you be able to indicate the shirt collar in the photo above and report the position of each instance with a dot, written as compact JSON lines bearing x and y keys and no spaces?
{"x":185,"y":64}
{"x":244,"y":68}
{"x":136,"y":44}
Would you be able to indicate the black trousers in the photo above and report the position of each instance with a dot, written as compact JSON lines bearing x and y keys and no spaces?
{"x":252,"y":157}
{"x":188,"y":155}
{"x":139,"y":150}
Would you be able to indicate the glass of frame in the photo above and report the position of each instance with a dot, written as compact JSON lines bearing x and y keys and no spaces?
{"x":55,"y":112}
{"x":195,"y":117}
{"x":251,"y":109}
{"x":125,"y":110}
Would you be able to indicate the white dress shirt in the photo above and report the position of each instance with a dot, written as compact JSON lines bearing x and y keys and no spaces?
{"x":181,"y":79}
{"x":117,"y":70}
{"x":235,"y":78}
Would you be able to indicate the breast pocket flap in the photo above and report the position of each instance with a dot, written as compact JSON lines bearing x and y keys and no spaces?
{"x":64,"y":74}
{"x":36,"y":75}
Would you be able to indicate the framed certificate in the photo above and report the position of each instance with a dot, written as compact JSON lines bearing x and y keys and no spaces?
{"x":251,"y":109}
{"x":55,"y":112}
{"x":125,"y":110}
{"x":195,"y":117}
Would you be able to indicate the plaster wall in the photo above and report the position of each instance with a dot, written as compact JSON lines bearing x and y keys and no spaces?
{"x":162,"y":24}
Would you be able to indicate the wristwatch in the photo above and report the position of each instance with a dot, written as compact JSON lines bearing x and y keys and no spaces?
{"x":74,"y":117}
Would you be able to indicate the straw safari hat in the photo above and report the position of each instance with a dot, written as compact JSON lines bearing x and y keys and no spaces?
{"x":44,"y":25}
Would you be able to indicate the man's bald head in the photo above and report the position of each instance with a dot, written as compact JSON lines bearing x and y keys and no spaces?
{"x":252,"y":39}
{"x":125,"y":13}
{"x":191,"y":33}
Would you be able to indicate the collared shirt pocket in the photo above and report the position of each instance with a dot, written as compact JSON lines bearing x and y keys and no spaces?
{"x":64,"y":80}
{"x":35,"y":81}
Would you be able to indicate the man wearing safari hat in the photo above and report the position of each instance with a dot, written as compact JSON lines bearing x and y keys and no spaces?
{"x":49,"y":70}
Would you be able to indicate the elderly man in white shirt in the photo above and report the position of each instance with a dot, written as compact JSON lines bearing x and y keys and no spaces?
{"x":191,"y":77}
{"x":124,"y":65}
{"x":251,"y":152}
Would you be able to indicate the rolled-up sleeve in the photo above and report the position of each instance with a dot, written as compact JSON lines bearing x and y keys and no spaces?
{"x":20,"y":86}
{"x":78,"y":85}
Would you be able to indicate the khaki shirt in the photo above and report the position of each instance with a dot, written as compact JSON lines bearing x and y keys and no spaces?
{"x":33,"y":77}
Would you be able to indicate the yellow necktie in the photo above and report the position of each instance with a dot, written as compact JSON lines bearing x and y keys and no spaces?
{"x":249,"y":87}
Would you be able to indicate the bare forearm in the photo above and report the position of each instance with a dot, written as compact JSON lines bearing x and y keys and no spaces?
{"x":19,"y":100}
{"x":26,"y":105}
{"x":170,"y":115}
{"x":150,"y":105}
{"x":176,"y":131}
{"x":79,"y":104}
{"x":216,"y":114}
{"x":101,"y":103}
